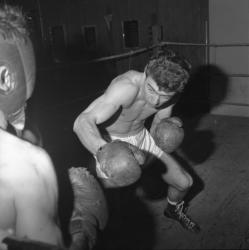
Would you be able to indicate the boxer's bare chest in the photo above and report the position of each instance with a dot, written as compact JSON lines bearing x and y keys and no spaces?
{"x":131,"y":119}
{"x":139,"y":111}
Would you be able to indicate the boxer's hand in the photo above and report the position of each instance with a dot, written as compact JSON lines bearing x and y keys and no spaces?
{"x":118,"y":163}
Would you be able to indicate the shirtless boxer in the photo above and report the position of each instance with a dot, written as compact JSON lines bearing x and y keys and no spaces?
{"x":28,"y":184}
{"x":29,"y":197}
{"x":117,"y":118}
{"x":28,"y":191}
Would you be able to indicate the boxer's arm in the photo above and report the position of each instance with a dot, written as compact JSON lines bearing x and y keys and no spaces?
{"x":102,"y":109}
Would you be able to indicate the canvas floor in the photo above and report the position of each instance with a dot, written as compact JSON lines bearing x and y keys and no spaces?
{"x":215,"y":151}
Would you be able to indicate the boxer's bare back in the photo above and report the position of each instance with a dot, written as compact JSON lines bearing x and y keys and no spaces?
{"x":28,"y":191}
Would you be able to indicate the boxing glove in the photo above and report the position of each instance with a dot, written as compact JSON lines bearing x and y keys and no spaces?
{"x":169,"y":134}
{"x":90,"y":213}
{"x":119,"y":161}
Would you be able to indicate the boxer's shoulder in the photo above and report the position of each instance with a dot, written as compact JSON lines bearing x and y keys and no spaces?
{"x":21,"y":160}
{"x":132,"y":75}
{"x":129,"y":79}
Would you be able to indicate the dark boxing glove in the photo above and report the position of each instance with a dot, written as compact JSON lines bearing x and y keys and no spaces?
{"x":169,"y":134}
{"x":90,"y":214}
{"x":120,"y":161}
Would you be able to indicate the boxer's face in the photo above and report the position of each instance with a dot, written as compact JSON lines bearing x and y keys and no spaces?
{"x":153,"y":95}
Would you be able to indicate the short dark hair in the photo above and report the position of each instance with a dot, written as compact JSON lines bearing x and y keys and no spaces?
{"x":168,"y":70}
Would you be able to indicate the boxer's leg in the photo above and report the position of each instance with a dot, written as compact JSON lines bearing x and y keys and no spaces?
{"x":179,"y":184}
{"x":176,"y":177}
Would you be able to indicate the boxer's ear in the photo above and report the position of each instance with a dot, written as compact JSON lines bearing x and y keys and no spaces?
{"x":7,"y":84}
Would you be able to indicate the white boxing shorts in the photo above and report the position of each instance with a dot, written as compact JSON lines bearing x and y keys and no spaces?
{"x":143,"y":140}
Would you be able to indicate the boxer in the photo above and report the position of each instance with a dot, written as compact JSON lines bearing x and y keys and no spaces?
{"x":28,"y":184}
{"x":17,"y":66}
{"x":121,"y":112}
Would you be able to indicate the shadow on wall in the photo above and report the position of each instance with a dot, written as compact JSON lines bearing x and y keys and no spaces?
{"x":195,"y":100}
{"x":199,"y":144}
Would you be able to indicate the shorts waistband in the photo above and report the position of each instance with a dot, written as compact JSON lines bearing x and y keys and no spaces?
{"x":138,"y":134}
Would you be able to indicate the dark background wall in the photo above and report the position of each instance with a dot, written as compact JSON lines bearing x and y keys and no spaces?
{"x":69,"y":33}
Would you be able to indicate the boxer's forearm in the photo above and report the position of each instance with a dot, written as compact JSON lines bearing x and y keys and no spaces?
{"x":88,"y":134}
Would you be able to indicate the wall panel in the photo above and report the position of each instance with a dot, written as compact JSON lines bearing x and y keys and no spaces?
{"x":229,"y":24}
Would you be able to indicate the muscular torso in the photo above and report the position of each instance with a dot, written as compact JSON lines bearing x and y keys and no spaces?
{"x":130,"y":120}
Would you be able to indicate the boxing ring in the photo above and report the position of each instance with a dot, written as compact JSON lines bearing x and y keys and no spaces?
{"x":132,"y":54}
{"x":207,"y":46}
{"x":66,"y":117}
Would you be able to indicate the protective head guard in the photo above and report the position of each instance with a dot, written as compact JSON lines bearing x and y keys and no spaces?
{"x":17,"y":65}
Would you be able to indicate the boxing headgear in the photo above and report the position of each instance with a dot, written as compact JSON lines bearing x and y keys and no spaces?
{"x":17,"y":64}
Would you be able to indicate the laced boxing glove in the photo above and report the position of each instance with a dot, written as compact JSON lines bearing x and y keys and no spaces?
{"x":169,"y":134}
{"x":90,"y":214}
{"x":119,"y":161}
